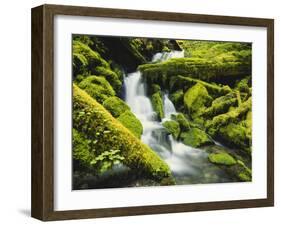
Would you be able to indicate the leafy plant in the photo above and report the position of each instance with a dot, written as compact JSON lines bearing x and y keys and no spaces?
{"x":107,"y":160}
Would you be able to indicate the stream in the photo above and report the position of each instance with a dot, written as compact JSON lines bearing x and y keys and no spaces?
{"x":188,"y":165}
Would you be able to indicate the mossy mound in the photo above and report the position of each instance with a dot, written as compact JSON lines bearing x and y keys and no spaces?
{"x":115,"y":106}
{"x":185,"y":125}
{"x":177,"y":99}
{"x":222,"y":158}
{"x":130,"y":121}
{"x":196,"y":98}
{"x":173,"y":128}
{"x":157,"y":104}
{"x":106,"y":133}
{"x":195,"y":138}
{"x":97,"y":87}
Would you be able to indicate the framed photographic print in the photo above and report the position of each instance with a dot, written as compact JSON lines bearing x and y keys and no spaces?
{"x":141,"y":112}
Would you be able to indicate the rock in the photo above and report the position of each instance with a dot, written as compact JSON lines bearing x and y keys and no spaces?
{"x":173,"y":128}
{"x":183,"y":122}
{"x":196,"y":99}
{"x":177,"y":98}
{"x":222,"y":159}
{"x":195,"y":138}
{"x":115,"y":106}
{"x":97,"y":87}
{"x":106,"y":133}
{"x":157,"y":104}
{"x":130,"y":121}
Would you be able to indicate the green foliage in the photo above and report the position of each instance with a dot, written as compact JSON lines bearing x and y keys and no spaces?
{"x":108,"y":134}
{"x":130,"y":121}
{"x":115,"y":106}
{"x":157,"y":104}
{"x":172,"y":127}
{"x":106,"y":160}
{"x":195,"y":137}
{"x":97,"y":87}
{"x":222,"y":158}
{"x":196,"y":99}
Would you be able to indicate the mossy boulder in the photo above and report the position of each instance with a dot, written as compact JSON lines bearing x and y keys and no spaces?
{"x":222,"y":158}
{"x":107,"y":133}
{"x":172,"y":127}
{"x":177,"y":98}
{"x":232,"y":116}
{"x":185,"y":125}
{"x":195,"y":138}
{"x":157,"y":104}
{"x":97,"y":87}
{"x":220,"y":105}
{"x":196,"y":99}
{"x":115,"y":106}
{"x":130,"y":121}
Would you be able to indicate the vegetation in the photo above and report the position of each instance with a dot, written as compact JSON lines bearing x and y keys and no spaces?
{"x":210,"y":87}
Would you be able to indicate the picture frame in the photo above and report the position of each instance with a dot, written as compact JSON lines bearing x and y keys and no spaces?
{"x":43,"y":108}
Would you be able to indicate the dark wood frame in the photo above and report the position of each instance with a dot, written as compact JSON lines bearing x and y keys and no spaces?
{"x":42,"y":203}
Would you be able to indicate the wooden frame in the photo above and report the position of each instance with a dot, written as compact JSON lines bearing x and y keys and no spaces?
{"x":42,"y":112}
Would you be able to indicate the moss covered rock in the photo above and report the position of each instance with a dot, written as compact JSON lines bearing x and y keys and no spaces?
{"x":115,"y":106}
{"x":130,"y":121}
{"x":172,"y":127}
{"x":157,"y":104}
{"x":185,"y":125}
{"x":177,"y":98}
{"x":196,"y":98}
{"x":97,"y":87}
{"x":195,"y":138}
{"x":222,"y":158}
{"x":107,"y":133}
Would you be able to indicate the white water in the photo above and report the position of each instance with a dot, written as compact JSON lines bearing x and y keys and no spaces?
{"x":185,"y":162}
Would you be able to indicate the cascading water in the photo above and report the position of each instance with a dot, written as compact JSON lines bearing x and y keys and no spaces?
{"x":188,"y":165}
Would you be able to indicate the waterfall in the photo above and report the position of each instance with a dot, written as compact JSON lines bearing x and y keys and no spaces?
{"x":185,"y":162}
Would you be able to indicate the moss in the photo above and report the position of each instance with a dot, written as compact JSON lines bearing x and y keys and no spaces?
{"x":97,"y":87}
{"x":196,"y":98}
{"x":115,"y":106}
{"x":235,"y":135}
{"x":234,"y":115}
{"x":110,"y":76}
{"x":84,"y":58}
{"x":195,"y":138}
{"x":222,"y":158}
{"x":183,"y":122}
{"x":177,"y":98}
{"x":243,"y":172}
{"x":130,"y":121}
{"x":199,"y":68}
{"x":220,"y":105}
{"x":244,"y":84}
{"x":98,"y":125}
{"x":172,"y":127}
{"x":181,"y":82}
{"x":157,"y":104}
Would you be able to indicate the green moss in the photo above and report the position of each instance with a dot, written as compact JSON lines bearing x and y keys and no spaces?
{"x":177,"y":98}
{"x":222,"y":158}
{"x":115,"y":106}
{"x":196,"y":99}
{"x":181,"y":82}
{"x":235,"y":135}
{"x":195,"y":138}
{"x":172,"y":127}
{"x":234,"y":115}
{"x":220,"y":105}
{"x":199,"y":68}
{"x":183,"y":122}
{"x":97,"y":87}
{"x":130,"y":121}
{"x":110,"y":76}
{"x":157,"y":104}
{"x":109,"y":134}
{"x":243,"y":172}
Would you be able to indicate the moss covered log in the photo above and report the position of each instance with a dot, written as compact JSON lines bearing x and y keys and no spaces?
{"x":106,"y":133}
